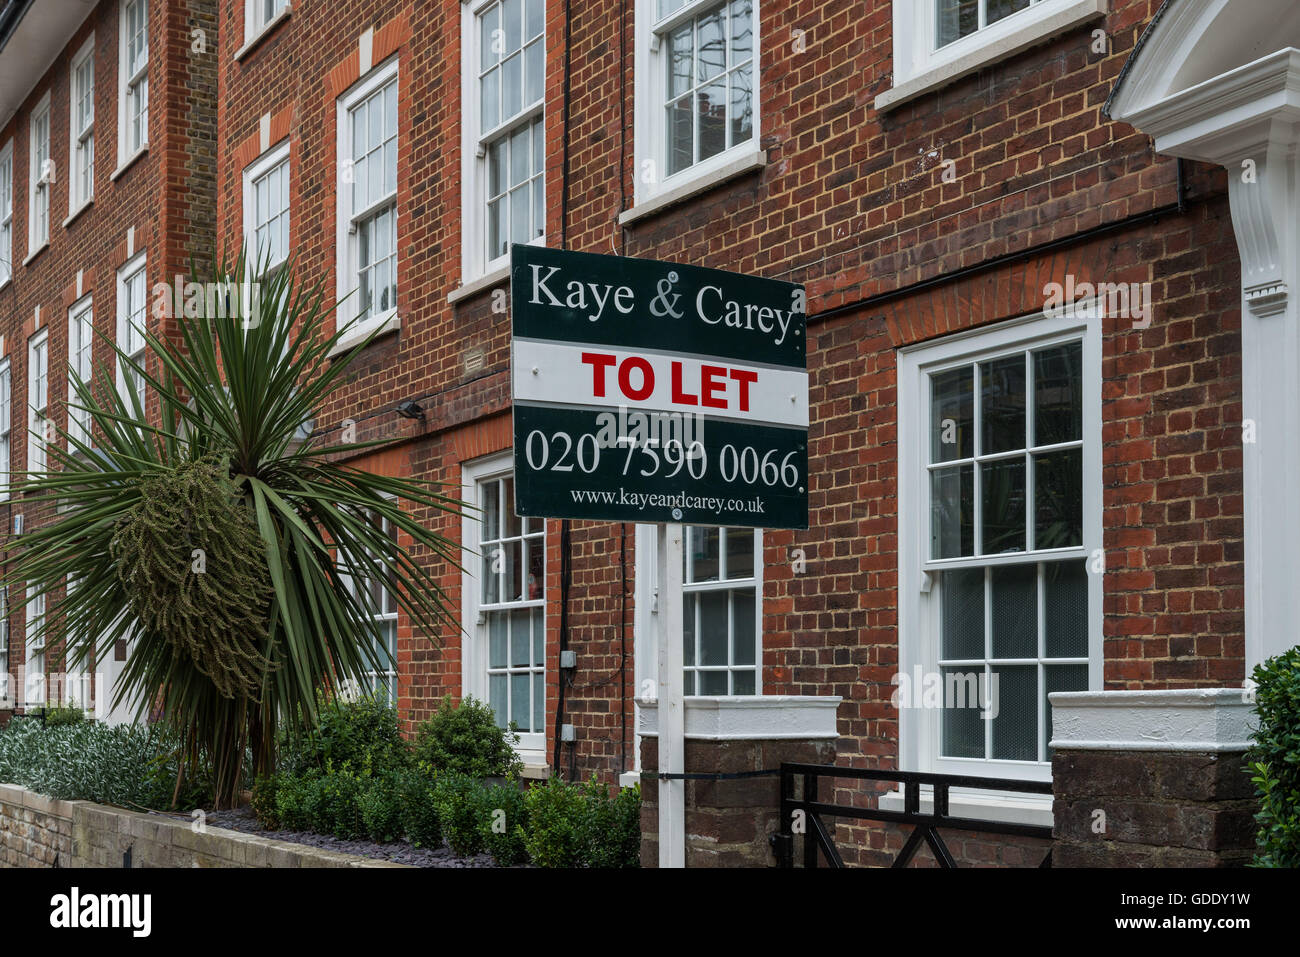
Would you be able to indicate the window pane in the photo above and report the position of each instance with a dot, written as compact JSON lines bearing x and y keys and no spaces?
{"x":742,"y":611}
{"x":702,"y":555}
{"x":712,"y":58}
{"x":740,"y":553}
{"x":512,"y":15}
{"x":512,"y":86}
{"x":1002,"y":411}
{"x":497,"y":628}
{"x":1003,"y":506}
{"x":951,"y":415}
{"x":680,"y":127}
{"x":1014,"y":603}
{"x":535,"y":18}
{"x":521,"y":649}
{"x":681,"y":51}
{"x":497,"y":699}
{"x":956,"y":19}
{"x":742,"y":107}
{"x":713,"y":682}
{"x":712,"y":105}
{"x":490,"y":98}
{"x":743,"y":682}
{"x":539,"y":703}
{"x":1058,"y":499}
{"x":713,"y":628}
{"x":520,"y":700}
{"x":742,"y":30}
{"x":962,"y":614}
{"x":1065,"y":617}
{"x":1015,"y":727}
{"x":490,"y":42}
{"x":962,"y":729}
{"x":952,"y":512}
{"x":539,"y":637}
{"x":688,"y":631}
{"x":535,"y":72}
{"x":1058,"y":394}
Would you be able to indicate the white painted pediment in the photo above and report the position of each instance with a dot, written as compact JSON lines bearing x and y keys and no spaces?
{"x":1191,"y":42}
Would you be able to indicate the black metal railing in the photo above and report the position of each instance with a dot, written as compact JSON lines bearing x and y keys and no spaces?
{"x":803,"y":815}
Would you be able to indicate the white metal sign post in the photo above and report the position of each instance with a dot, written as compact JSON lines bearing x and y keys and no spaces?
{"x":659,"y":394}
{"x":671,"y":704}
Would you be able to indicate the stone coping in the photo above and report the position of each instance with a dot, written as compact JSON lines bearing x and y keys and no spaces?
{"x":215,"y":845}
{"x":1200,"y":719}
{"x":749,"y":717}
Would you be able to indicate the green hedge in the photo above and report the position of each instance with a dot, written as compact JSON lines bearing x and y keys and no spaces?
{"x":1274,"y":760}
{"x":555,"y":824}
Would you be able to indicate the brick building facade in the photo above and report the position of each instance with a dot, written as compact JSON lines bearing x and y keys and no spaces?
{"x":1041,"y":481}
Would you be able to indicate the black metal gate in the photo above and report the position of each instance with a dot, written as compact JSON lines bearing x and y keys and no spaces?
{"x":817,"y":839}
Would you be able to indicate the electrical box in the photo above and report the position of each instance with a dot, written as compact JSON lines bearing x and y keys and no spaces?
{"x":566,"y":732}
{"x":568,"y":659}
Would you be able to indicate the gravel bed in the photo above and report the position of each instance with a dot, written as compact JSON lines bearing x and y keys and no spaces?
{"x":399,"y":852}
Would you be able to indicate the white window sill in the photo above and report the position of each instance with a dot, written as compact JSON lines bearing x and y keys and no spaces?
{"x":266,"y":28}
{"x":78,"y":211}
{"x":1034,"y":31}
{"x":127,"y":163}
{"x":360,"y":331}
{"x":490,"y":280}
{"x":5,"y":281}
{"x":1007,"y":807}
{"x":744,"y":163}
{"x":36,"y":252}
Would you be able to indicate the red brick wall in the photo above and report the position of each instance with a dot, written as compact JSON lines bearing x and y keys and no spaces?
{"x":168,"y":196}
{"x":853,"y":203}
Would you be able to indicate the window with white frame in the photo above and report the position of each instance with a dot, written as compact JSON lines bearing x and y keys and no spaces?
{"x":1000,"y":492}
{"x":266,"y":209}
{"x":81,"y":341}
{"x":722,"y":611}
{"x":936,"y":41}
{"x":505,"y":605}
{"x":696,"y":89}
{"x":6,"y":428}
{"x":368,"y":199}
{"x":6,"y":212}
{"x":133,"y":80}
{"x":381,"y":602}
{"x":81,"y":126}
{"x":40,"y":178}
{"x":131,"y":316}
{"x":38,"y":400}
{"x":34,"y":682}
{"x":260,"y":14}
{"x":505,"y":133}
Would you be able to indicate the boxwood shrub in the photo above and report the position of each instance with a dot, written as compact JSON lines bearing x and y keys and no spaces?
{"x":1274,"y":760}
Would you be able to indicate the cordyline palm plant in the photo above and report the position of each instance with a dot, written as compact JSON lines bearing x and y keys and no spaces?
{"x":220,"y":536}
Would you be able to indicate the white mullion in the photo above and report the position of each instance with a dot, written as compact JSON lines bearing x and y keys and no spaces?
{"x":988,"y":656}
{"x":1031,"y":537}
{"x":1040,"y":690}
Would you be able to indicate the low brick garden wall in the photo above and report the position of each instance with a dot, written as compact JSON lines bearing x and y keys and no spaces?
{"x":39,"y":831}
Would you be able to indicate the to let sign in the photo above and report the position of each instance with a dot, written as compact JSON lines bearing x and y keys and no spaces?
{"x":654,"y":392}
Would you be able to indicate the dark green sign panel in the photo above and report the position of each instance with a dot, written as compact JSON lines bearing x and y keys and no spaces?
{"x":654,"y":392}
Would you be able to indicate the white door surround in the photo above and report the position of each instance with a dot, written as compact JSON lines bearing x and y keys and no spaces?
{"x":1219,"y":81}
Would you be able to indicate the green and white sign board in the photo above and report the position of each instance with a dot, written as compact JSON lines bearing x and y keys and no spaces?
{"x":654,"y":392}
